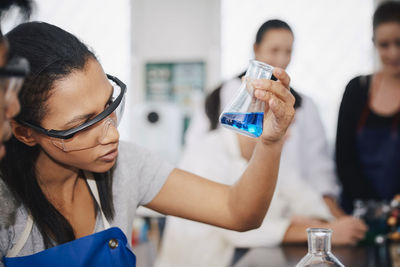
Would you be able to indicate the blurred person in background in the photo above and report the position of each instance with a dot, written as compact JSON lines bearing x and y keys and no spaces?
{"x":368,"y":141}
{"x":12,"y":73}
{"x":306,"y":191}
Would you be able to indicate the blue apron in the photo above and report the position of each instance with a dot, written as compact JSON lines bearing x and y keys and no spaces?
{"x":379,"y":155}
{"x":106,"y":248}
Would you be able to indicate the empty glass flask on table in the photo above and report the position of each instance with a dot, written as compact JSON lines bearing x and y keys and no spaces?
{"x":245,"y":113}
{"x":319,"y":250}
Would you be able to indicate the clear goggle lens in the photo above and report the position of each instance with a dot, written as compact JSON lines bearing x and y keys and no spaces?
{"x":97,"y":133}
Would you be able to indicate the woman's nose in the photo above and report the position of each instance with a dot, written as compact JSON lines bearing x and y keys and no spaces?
{"x":110,"y":134}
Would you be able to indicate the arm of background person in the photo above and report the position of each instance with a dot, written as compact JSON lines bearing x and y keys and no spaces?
{"x":270,"y":233}
{"x":334,"y":206}
{"x":346,"y":230}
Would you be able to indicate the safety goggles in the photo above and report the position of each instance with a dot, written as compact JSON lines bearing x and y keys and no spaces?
{"x":92,"y":132}
{"x":12,"y":77}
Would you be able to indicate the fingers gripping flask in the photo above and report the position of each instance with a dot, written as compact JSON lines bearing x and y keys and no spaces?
{"x":319,"y":250}
{"x":245,"y":113}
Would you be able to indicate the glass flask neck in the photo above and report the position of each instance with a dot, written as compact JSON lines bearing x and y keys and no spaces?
{"x":319,"y":240}
{"x":259,"y":70}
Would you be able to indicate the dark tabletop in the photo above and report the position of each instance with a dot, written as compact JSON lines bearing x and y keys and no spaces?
{"x":290,"y":255}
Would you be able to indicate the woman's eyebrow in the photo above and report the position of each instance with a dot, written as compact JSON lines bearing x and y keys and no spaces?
{"x":87,"y":116}
{"x":79,"y":118}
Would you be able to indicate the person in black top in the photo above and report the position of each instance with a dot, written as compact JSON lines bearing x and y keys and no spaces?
{"x":368,"y":141}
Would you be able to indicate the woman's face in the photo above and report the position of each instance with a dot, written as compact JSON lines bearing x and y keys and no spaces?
{"x":74,"y":100}
{"x":387,"y":42}
{"x":275,"y":48}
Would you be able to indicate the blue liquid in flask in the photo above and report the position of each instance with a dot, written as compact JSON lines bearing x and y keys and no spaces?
{"x":250,"y":123}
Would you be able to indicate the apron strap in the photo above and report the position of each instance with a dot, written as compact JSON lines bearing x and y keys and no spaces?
{"x":13,"y":252}
{"x":93,"y":187}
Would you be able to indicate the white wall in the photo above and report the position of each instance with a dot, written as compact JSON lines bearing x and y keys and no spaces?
{"x":101,"y":24}
{"x":175,"y":30}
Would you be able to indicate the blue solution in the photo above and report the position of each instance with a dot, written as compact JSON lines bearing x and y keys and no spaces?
{"x":250,"y":123}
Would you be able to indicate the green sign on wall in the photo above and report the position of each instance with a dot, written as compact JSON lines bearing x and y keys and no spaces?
{"x":174,"y":81}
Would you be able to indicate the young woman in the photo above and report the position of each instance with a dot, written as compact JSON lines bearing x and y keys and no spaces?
{"x":78,"y":187}
{"x":368,"y":142}
{"x":306,"y":187}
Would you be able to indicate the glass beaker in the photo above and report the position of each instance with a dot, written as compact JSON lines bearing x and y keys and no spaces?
{"x":319,"y":249}
{"x":245,"y":113}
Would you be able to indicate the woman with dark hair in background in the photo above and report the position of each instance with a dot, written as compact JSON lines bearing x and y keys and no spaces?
{"x":306,"y":190}
{"x":368,"y":141}
{"x":78,"y":187}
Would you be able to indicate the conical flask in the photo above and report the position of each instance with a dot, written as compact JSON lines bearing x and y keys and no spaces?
{"x":245,"y":113}
{"x":319,"y":250}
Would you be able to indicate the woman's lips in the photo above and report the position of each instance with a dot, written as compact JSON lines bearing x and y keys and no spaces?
{"x":110,"y":156}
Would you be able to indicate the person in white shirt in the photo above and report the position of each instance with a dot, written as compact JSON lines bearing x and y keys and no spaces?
{"x":307,"y":187}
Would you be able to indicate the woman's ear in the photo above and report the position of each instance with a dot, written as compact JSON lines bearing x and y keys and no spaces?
{"x":23,"y":134}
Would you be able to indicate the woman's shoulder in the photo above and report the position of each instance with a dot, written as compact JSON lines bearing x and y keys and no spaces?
{"x":354,"y":99}
{"x":139,"y":173}
{"x":8,"y":206}
{"x":137,"y":161}
{"x":358,"y":87}
{"x":134,"y":154}
{"x":307,"y":109}
{"x":306,"y":100}
{"x":11,"y":218}
{"x":130,"y":149}
{"x":360,"y":80}
{"x":132,"y":157}
{"x":12,"y":232}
